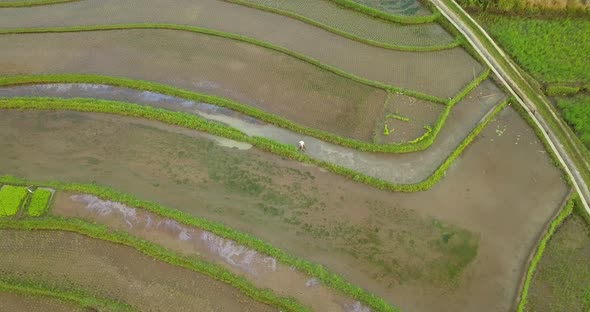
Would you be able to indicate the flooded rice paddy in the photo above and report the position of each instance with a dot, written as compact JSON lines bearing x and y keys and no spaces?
{"x":440,"y":73}
{"x":397,"y":168}
{"x":63,"y":259}
{"x":401,"y":7}
{"x":247,"y":73}
{"x":17,"y":302}
{"x":343,"y":19}
{"x":450,"y":248}
{"x":263,"y":271}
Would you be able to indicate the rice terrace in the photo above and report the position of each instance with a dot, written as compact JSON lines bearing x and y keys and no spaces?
{"x":294,"y":155}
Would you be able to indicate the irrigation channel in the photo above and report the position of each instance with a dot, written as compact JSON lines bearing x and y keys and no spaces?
{"x":439,"y":73}
{"x":451,"y":247}
{"x":395,"y":168}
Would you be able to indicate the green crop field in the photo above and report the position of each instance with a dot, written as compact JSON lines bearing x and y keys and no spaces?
{"x":11,"y":198}
{"x":552,"y":50}
{"x":576,"y":111}
{"x":39,"y":202}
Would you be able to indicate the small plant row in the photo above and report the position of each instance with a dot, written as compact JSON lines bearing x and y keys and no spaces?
{"x":29,"y":3}
{"x":214,"y":128}
{"x":402,"y":19}
{"x":13,"y":197}
{"x":76,"y":296}
{"x":563,"y":214}
{"x":411,"y":146}
{"x":346,"y":34}
{"x":396,"y":116}
{"x":232,"y":36}
{"x":159,"y":253}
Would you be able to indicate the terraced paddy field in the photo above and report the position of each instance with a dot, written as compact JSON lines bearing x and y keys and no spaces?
{"x":562,"y":279}
{"x":63,"y":259}
{"x":453,"y":249}
{"x":401,"y":7}
{"x":15,"y":302}
{"x":439,"y":73}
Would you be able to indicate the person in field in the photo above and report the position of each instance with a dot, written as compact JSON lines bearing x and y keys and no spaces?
{"x":301,"y":146}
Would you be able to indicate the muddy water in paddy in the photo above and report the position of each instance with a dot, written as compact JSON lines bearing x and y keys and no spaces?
{"x":263,"y":271}
{"x":16,"y":302}
{"x":247,"y":73}
{"x":114,"y":271}
{"x":462,"y":245}
{"x":397,"y":168}
{"x":441,"y":73}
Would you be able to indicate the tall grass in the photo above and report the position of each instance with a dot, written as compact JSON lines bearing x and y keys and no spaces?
{"x":576,"y":112}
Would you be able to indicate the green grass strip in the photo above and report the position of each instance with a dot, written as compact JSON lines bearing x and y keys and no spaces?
{"x":39,"y":203}
{"x":553,"y":90}
{"x":200,"y":124}
{"x":11,"y":198}
{"x":402,"y":19}
{"x":159,"y":253}
{"x":412,"y":146}
{"x":77,"y":296}
{"x":312,"y":269}
{"x":20,"y":4}
{"x":222,"y":34}
{"x":541,"y":248}
{"x":345,"y":34}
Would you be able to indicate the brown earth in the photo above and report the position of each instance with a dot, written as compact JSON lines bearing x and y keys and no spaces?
{"x":11,"y":302}
{"x":462,"y":245}
{"x":108,"y":270}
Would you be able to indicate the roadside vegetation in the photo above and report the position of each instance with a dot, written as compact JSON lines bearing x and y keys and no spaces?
{"x":11,"y":198}
{"x":527,"y":6}
{"x":576,"y":112}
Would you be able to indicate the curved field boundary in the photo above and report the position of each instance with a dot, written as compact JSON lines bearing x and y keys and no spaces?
{"x":159,"y":253}
{"x":402,"y":19}
{"x":348,"y":35}
{"x":418,"y":144}
{"x":78,"y":297}
{"x":222,"y":34}
{"x":318,"y":271}
{"x":200,"y":124}
{"x":540,"y":249}
{"x":20,"y":4}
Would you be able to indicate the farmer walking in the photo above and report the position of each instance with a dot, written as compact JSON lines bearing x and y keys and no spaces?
{"x":301,"y":146}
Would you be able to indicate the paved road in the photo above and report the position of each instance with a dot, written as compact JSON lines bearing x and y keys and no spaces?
{"x":505,"y":75}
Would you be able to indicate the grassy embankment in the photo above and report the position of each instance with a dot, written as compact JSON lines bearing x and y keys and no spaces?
{"x":558,"y":278}
{"x":366,"y":10}
{"x":28,"y":3}
{"x":314,"y":270}
{"x":77,"y":296}
{"x":200,"y":124}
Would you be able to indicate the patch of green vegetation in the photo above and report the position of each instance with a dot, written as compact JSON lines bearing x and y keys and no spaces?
{"x":321,"y":273}
{"x":11,"y":198}
{"x":576,"y":112}
{"x":159,"y":253}
{"x":398,"y":117}
{"x":386,"y":131}
{"x":28,"y":3}
{"x":200,"y":124}
{"x":39,"y":203}
{"x":563,"y":214}
{"x":77,"y":296}
{"x":552,"y":50}
{"x":562,"y":277}
{"x":553,"y":90}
